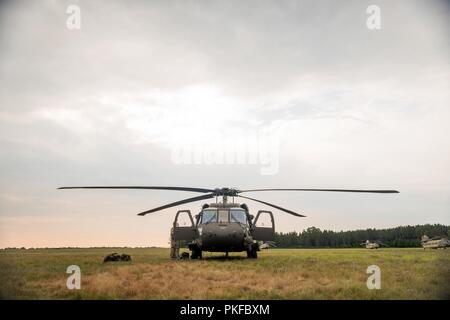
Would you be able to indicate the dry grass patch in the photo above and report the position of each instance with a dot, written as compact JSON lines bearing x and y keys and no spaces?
{"x":277,"y":274}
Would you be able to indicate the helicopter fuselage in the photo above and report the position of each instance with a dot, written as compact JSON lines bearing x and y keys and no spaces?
{"x":428,"y":243}
{"x":223,"y":227}
{"x":222,"y":237}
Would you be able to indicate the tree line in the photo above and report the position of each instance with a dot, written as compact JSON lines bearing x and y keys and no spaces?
{"x":403,"y":236}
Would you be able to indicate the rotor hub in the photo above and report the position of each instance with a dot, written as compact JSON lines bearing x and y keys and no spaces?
{"x":226,"y":192}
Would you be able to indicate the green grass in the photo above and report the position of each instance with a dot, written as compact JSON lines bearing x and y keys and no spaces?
{"x":276,"y":274}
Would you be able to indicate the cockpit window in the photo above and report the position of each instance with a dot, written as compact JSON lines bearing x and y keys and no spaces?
{"x":223,"y":216}
{"x":209,"y":215}
{"x":238,"y":215}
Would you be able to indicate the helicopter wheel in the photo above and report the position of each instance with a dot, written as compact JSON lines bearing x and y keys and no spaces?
{"x":252,"y":253}
{"x":196,"y":254}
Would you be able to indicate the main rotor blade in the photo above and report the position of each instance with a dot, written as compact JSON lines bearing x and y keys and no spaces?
{"x":143,"y":187}
{"x":174,"y":204}
{"x":274,"y":206}
{"x":330,"y":190}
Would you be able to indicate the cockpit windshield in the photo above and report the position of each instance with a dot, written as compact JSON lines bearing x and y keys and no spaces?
{"x":238,"y":215}
{"x":209,"y":215}
{"x":224,"y":215}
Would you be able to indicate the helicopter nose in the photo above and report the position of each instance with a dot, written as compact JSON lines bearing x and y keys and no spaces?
{"x":222,"y":236}
{"x":226,"y":235}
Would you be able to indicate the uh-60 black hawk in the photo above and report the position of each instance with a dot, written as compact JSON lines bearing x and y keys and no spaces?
{"x":223,"y":226}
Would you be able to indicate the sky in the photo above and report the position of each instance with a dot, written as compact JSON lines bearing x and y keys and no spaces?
{"x":254,"y":94}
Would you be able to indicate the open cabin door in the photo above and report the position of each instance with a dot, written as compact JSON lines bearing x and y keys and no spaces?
{"x":263,"y":227}
{"x":184,"y":232}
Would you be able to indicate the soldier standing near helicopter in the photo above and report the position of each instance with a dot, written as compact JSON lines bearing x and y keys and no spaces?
{"x":174,"y":245}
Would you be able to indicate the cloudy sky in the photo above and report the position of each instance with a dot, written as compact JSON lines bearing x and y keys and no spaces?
{"x":327,"y":102}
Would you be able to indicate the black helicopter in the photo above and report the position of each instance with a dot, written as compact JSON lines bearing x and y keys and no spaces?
{"x":223,"y":226}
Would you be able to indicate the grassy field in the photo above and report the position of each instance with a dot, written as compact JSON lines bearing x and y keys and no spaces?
{"x":276,"y":274}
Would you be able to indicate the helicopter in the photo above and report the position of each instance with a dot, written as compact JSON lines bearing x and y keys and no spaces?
{"x":223,"y":226}
{"x":373,"y":245}
{"x":267,"y":245}
{"x":434,"y":243}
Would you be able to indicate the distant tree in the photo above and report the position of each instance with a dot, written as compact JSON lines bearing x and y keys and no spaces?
{"x":403,"y":236}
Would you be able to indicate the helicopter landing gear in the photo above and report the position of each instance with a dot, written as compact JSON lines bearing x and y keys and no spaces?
{"x":252,"y":252}
{"x":196,"y":253}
